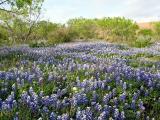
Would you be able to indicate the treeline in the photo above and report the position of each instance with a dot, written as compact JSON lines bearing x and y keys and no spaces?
{"x":115,"y":29}
{"x":18,"y":19}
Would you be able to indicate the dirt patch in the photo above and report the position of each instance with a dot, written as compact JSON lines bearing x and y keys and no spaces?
{"x":146,"y":25}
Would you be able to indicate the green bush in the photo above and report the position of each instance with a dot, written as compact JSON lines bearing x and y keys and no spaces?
{"x":157,"y":30}
{"x":145,"y":32}
{"x":38,"y":44}
{"x":117,"y":29}
{"x":142,"y":41}
{"x":83,"y":28}
{"x":60,"y":35}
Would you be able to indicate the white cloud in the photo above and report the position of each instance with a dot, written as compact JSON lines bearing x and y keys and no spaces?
{"x":61,"y":11}
{"x":143,"y":9}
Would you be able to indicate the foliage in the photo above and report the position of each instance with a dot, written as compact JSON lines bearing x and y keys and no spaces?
{"x":117,"y":29}
{"x":38,"y":44}
{"x":145,"y":32}
{"x":112,"y":29}
{"x":83,"y":28}
{"x":142,"y":41}
{"x":43,"y":28}
{"x":20,"y":19}
{"x":13,"y":3}
{"x":3,"y":33}
{"x":30,"y":29}
{"x":62,"y":34}
{"x":157,"y":29}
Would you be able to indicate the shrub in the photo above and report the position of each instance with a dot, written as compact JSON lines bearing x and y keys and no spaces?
{"x":117,"y":29}
{"x":142,"y":41}
{"x":83,"y":28}
{"x":60,"y":35}
{"x":157,"y":29}
{"x":145,"y":32}
{"x":38,"y":44}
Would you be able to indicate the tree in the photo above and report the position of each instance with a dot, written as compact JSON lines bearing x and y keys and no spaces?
{"x":83,"y":28}
{"x":20,"y":18}
{"x":117,"y":28}
{"x":6,"y":5}
{"x":44,"y":28}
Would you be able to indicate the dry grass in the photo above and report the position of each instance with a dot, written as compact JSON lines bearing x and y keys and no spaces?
{"x":145,"y":25}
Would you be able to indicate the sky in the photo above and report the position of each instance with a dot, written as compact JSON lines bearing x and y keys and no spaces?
{"x":139,"y":10}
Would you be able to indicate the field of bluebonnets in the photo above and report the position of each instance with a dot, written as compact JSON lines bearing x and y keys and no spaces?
{"x":82,"y":81}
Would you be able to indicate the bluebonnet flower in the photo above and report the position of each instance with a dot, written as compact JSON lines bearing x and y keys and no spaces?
{"x":89,"y":113}
{"x":106,"y":99}
{"x":45,"y":110}
{"x":14,"y":87}
{"x":124,"y":86}
{"x":65,"y":102}
{"x":126,"y":106}
{"x":58,"y":104}
{"x":14,"y":103}
{"x":40,"y":81}
{"x":98,"y":107}
{"x":103,"y":116}
{"x":122,"y":115}
{"x":123,"y":96}
{"x":84,"y":114}
{"x":116,"y":113}
{"x":138,"y":114}
{"x":41,"y":94}
{"x":146,"y":92}
{"x":108,"y":88}
{"x":30,"y":78}
{"x":107,"y":109}
{"x":141,"y":107}
{"x":135,"y":96}
{"x":89,"y":92}
{"x":114,"y":92}
{"x":94,"y":96}
{"x":0,"y":103}
{"x":28,"y":99}
{"x":52,"y":116}
{"x":115,"y":100}
{"x":121,"y":82}
{"x":5,"y":106}
{"x":33,"y":105}
{"x":133,"y":104}
{"x":16,"y":116}
{"x":31,"y":90}
{"x":63,"y":117}
{"x":78,"y":114}
{"x":103,"y":86}
{"x":142,"y":89}
{"x":79,"y":99}
{"x":150,"y":83}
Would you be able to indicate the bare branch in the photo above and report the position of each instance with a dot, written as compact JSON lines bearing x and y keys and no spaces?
{"x":11,"y":11}
{"x":32,"y":25}
{"x":2,"y":2}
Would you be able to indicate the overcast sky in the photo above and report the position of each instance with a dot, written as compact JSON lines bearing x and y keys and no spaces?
{"x":138,"y":10}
